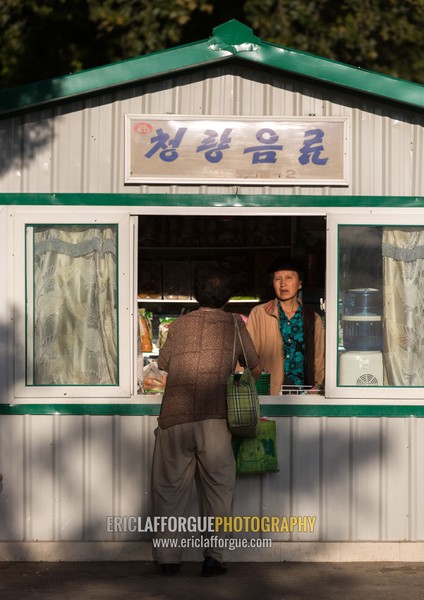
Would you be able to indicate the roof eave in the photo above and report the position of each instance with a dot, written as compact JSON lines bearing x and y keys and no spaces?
{"x":232,"y":39}
{"x":338,"y":74}
{"x":102,"y":79}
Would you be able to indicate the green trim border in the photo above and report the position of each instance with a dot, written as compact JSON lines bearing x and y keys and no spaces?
{"x":215,"y":201}
{"x":267,"y":410}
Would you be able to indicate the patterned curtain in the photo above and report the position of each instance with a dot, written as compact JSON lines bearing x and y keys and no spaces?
{"x":75,"y":307}
{"x":403,"y":277}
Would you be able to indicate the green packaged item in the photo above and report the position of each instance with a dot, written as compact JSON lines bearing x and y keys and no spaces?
{"x":263,"y":384}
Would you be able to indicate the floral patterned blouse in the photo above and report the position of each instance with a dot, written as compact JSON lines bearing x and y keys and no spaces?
{"x":293,"y":347}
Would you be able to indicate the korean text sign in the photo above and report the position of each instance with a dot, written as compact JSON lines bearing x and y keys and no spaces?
{"x":285,"y":151}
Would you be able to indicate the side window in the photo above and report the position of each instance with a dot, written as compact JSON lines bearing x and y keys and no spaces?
{"x":73,"y":304}
{"x":381,"y":306}
{"x":71,"y":320}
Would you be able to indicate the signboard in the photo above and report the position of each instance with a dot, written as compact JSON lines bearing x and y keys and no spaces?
{"x":252,"y":150}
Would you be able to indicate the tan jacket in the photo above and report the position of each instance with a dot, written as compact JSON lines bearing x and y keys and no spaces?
{"x":264,"y":328}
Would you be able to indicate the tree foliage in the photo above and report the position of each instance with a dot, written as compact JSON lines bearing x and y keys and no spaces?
{"x":47,"y":38}
{"x":380,"y":35}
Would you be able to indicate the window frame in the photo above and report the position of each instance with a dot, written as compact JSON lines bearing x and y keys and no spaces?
{"x":355,"y":394}
{"x":22,"y":218}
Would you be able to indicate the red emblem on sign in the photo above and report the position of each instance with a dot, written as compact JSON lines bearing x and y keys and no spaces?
{"x":142,"y":128}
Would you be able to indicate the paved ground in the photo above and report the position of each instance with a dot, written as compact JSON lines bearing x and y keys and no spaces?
{"x":244,"y":581}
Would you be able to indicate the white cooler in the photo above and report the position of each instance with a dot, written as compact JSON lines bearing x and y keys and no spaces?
{"x":361,"y":368}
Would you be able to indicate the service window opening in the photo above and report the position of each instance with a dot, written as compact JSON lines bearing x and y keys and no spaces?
{"x":170,"y":248}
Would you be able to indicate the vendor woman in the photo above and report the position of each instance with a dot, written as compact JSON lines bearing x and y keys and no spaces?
{"x":288,"y":336}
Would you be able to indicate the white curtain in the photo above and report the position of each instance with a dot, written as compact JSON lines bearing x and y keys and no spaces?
{"x":74,"y":305}
{"x":403,"y":287}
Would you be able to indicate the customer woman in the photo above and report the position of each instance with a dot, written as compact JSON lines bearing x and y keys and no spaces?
{"x":288,"y":337}
{"x":193,"y":437}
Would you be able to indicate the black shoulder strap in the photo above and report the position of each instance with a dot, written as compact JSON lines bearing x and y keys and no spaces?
{"x":309,"y":336}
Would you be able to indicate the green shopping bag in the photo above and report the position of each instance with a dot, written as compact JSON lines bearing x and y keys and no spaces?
{"x":258,"y":454}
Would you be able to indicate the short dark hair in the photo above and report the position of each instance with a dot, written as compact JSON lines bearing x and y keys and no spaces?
{"x":285,"y":263}
{"x":212,"y":286}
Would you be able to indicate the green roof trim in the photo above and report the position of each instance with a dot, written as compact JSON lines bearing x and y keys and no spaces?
{"x":232,"y":39}
{"x":216,"y":201}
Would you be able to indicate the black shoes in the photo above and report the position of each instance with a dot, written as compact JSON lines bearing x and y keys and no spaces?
{"x":212,"y":567}
{"x":169,"y":569}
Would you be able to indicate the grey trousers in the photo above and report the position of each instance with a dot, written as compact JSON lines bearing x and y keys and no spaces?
{"x":200,"y":450}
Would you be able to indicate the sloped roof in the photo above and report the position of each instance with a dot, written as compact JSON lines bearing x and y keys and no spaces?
{"x":230,"y":40}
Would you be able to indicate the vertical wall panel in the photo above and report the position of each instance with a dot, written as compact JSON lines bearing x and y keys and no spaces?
{"x":366,"y":479}
{"x":306,"y":461}
{"x":68,"y":474}
{"x":12,"y":488}
{"x":6,"y":324}
{"x":415,"y":486}
{"x":98,"y":475}
{"x":98,"y":147}
{"x":367,"y":167}
{"x":248,"y":496}
{"x":11,"y":155}
{"x":132,"y":472}
{"x":277,"y":487}
{"x":395,"y":478}
{"x":38,"y":491}
{"x":37,"y":133}
{"x":417,"y":150}
{"x":68,"y":150}
{"x":335,"y":523}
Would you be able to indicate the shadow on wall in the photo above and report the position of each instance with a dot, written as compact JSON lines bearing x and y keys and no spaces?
{"x":8,"y":445}
{"x":330,"y":471}
{"x":63,"y":475}
{"x":23,"y":136}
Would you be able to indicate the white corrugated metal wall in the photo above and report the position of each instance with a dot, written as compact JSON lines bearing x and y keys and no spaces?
{"x":79,"y":147}
{"x":360,"y":478}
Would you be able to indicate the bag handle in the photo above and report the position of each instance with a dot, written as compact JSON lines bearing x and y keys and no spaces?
{"x":237,"y":333}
